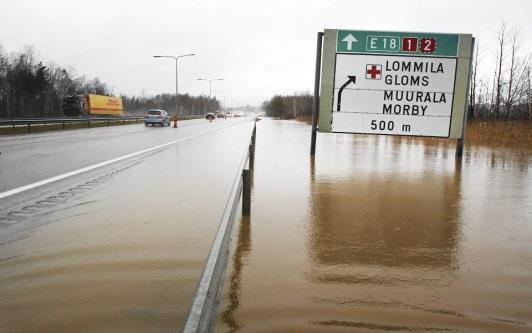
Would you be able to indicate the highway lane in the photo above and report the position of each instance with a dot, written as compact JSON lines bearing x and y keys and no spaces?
{"x":124,"y":250}
{"x":26,"y":159}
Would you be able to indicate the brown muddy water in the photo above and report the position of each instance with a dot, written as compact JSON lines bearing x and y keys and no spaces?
{"x":124,"y":252}
{"x":381,"y":234}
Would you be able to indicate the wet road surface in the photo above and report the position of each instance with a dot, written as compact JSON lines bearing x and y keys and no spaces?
{"x":29,"y":158}
{"x":381,"y":234}
{"x":120,"y":249}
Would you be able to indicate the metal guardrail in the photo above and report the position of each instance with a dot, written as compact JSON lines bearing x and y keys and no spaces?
{"x":43,"y":122}
{"x":203,"y":311}
{"x":89,"y":121}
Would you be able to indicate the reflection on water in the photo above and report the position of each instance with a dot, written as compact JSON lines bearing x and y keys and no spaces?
{"x":391,"y":220}
{"x":243,"y":246}
{"x":380,"y":234}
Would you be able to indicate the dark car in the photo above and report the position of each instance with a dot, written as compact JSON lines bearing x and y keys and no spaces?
{"x":220,"y":115}
{"x":157,"y":117}
{"x":210,"y":116}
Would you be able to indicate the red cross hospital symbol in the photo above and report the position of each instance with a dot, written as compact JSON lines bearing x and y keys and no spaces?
{"x":373,"y":72}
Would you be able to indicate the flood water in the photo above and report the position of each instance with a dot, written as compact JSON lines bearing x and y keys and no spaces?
{"x":380,"y":234}
{"x":124,"y":251}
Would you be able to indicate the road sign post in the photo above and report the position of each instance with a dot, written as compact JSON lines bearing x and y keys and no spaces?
{"x":394,"y":83}
{"x":315,"y":102}
{"x":461,"y":141}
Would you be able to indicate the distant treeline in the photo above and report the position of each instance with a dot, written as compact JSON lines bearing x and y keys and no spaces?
{"x":29,"y":88}
{"x":188,"y":105}
{"x":289,"y":107}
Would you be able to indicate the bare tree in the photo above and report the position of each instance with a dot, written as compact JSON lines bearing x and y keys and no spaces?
{"x":4,"y":86}
{"x":492,"y":95}
{"x":294,"y":106}
{"x":473,"y":88}
{"x":513,"y":90}
{"x":528,"y":92}
{"x":500,"y":59}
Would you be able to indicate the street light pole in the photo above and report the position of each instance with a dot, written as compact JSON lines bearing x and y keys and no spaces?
{"x":225,"y":95}
{"x":176,"y":76}
{"x":210,"y":86}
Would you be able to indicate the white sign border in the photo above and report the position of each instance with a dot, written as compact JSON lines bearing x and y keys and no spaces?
{"x":395,"y":55}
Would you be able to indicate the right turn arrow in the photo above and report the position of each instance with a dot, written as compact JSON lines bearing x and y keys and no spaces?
{"x":351,"y":79}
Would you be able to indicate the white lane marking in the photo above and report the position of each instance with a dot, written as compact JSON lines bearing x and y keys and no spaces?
{"x":97,"y":165}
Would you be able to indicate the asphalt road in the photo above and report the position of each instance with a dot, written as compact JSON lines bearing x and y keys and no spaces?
{"x":26,"y":159}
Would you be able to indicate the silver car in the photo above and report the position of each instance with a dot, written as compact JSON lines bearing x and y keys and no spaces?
{"x":157,"y":117}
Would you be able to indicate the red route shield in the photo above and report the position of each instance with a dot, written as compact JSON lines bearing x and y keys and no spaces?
{"x":409,"y":44}
{"x":427,"y":45}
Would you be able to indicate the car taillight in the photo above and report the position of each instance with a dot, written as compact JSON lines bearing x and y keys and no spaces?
{"x":146,"y":115}
{"x":160,"y":117}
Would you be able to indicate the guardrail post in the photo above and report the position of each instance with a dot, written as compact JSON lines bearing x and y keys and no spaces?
{"x":246,"y":192}
{"x":252,"y":157}
{"x":29,"y":128}
{"x":254,"y":135}
{"x":63,"y":125}
{"x":89,"y":124}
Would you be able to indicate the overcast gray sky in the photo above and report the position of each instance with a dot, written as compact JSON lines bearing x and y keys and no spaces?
{"x":259,"y":48}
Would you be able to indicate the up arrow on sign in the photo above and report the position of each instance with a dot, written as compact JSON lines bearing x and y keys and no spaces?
{"x":349,"y":39}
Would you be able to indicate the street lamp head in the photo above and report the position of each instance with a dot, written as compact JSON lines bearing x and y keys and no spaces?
{"x":174,"y":57}
{"x":210,"y":80}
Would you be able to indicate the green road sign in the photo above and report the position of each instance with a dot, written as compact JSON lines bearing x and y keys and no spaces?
{"x":394,"y":83}
{"x":397,"y":43}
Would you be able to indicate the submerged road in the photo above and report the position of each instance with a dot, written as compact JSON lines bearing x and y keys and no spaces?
{"x":376,"y":233}
{"x":120,"y":247}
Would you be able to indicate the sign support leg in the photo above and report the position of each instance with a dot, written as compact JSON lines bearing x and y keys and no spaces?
{"x":315,"y":105}
{"x":460,"y":142}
